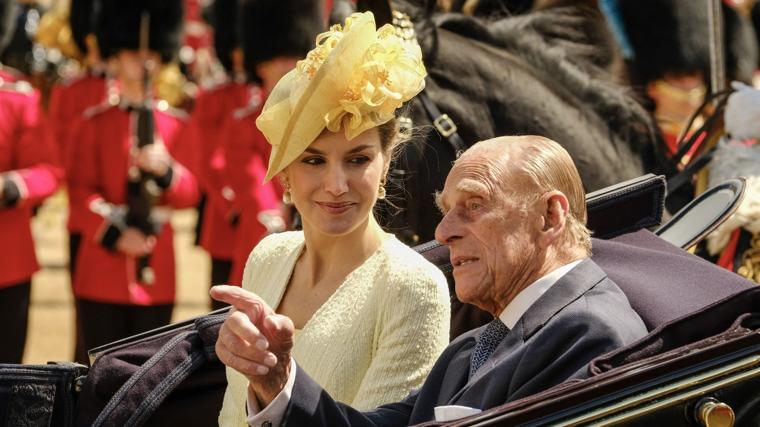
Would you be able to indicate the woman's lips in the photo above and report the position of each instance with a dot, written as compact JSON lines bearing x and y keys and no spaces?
{"x":335,"y":208}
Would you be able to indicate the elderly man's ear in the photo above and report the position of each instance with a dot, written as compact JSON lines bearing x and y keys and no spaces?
{"x":554,"y":216}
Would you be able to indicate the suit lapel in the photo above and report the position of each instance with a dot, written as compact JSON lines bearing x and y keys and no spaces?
{"x":566,"y":290}
{"x":455,"y":379}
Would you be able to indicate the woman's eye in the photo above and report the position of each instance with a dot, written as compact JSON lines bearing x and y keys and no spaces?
{"x":360,"y":160}
{"x":475,"y":206}
{"x":313,"y":161}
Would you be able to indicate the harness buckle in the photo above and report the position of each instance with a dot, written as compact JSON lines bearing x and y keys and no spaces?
{"x":445,"y":125}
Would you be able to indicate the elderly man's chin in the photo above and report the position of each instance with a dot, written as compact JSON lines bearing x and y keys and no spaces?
{"x":468,"y":285}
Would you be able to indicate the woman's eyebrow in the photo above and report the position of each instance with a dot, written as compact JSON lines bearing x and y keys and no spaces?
{"x":359,"y":148}
{"x":351,"y":151}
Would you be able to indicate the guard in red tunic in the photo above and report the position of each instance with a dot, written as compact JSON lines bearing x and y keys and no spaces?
{"x":29,"y":172}
{"x":68,"y":101}
{"x":275,"y":35}
{"x":256,"y":204}
{"x":212,"y":107}
{"x":116,"y":296}
{"x":71,"y":97}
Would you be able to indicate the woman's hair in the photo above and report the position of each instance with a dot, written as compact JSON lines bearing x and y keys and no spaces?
{"x":389,"y":136}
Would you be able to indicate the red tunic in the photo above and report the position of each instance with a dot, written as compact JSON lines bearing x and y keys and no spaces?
{"x":68,"y":101}
{"x":212,"y":107}
{"x":104,"y":140}
{"x":11,"y":75}
{"x":247,"y":156}
{"x":29,"y":160}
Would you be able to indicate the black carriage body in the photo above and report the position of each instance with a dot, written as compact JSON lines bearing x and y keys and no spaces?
{"x":705,"y":360}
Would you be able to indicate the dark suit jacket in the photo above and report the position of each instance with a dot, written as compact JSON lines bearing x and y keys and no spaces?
{"x":583,"y":315}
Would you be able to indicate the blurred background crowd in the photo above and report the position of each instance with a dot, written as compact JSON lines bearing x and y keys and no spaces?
{"x":95,"y":97}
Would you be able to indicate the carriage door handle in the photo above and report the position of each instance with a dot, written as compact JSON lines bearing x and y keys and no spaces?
{"x":714,"y":413}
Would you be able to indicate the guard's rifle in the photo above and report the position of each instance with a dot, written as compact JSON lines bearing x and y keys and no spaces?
{"x":142,"y":190}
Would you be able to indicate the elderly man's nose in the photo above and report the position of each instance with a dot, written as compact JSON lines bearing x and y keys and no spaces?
{"x":336,"y":181}
{"x":446,"y":230}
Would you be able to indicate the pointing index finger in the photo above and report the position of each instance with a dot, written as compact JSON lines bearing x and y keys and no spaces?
{"x":247,"y":302}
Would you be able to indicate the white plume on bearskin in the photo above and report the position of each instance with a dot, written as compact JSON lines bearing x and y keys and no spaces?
{"x":738,"y":159}
{"x":742,"y":116}
{"x":732,"y":160}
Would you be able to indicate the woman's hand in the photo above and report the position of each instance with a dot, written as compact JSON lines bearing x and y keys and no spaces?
{"x":255,"y":341}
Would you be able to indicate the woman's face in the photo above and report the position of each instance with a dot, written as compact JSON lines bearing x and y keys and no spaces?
{"x":334,"y":183}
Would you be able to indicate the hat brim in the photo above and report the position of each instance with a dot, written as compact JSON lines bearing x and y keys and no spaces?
{"x":319,"y":97}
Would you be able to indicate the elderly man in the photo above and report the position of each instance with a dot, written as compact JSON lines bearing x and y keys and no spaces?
{"x":514,"y":214}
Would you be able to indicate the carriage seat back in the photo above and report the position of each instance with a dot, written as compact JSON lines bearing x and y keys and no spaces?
{"x":703,"y":214}
{"x":663,"y":282}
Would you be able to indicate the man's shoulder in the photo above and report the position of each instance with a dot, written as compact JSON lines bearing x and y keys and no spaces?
{"x":603,"y":311}
{"x":584,"y":299}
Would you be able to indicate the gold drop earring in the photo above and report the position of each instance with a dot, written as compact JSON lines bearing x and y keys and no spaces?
{"x":381,"y":191}
{"x":286,"y":198}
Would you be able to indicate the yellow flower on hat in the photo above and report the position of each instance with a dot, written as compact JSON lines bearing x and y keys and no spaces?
{"x":354,"y":79}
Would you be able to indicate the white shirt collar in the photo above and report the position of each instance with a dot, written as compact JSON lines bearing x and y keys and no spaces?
{"x":522,"y":302}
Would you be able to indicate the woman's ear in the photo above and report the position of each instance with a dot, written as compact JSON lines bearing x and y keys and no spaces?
{"x":387,"y":156}
{"x":284,"y":178}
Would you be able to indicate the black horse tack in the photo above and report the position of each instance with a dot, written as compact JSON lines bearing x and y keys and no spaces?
{"x":549,"y":72}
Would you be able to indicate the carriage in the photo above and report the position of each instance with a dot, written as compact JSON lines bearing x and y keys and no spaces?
{"x":699,"y":365}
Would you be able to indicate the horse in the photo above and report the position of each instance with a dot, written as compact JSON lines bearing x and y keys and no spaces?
{"x":553,"y":71}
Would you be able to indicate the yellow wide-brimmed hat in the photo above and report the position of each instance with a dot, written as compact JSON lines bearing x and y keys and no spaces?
{"x":354,"y":79}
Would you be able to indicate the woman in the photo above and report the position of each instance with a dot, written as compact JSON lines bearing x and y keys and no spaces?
{"x":371,"y":314}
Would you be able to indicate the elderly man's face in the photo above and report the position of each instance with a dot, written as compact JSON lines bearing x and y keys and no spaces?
{"x":491,"y":237}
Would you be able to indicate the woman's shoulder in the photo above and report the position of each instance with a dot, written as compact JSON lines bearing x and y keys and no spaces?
{"x":276,"y":245}
{"x":269,"y":258}
{"x":405,"y":266}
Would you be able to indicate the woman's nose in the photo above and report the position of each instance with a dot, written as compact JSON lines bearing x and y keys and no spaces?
{"x":336,"y":181}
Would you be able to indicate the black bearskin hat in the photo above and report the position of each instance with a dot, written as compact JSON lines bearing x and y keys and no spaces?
{"x":7,"y":22}
{"x":742,"y":50}
{"x":273,"y":28}
{"x":81,"y":22}
{"x":500,"y":8}
{"x":117,"y":26}
{"x":672,"y":36}
{"x":224,"y":19}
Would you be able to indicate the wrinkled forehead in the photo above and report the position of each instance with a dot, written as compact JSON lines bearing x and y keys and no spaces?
{"x":476,"y":175}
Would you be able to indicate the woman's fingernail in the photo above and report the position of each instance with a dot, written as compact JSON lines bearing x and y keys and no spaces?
{"x":262,"y":344}
{"x":262,"y":370}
